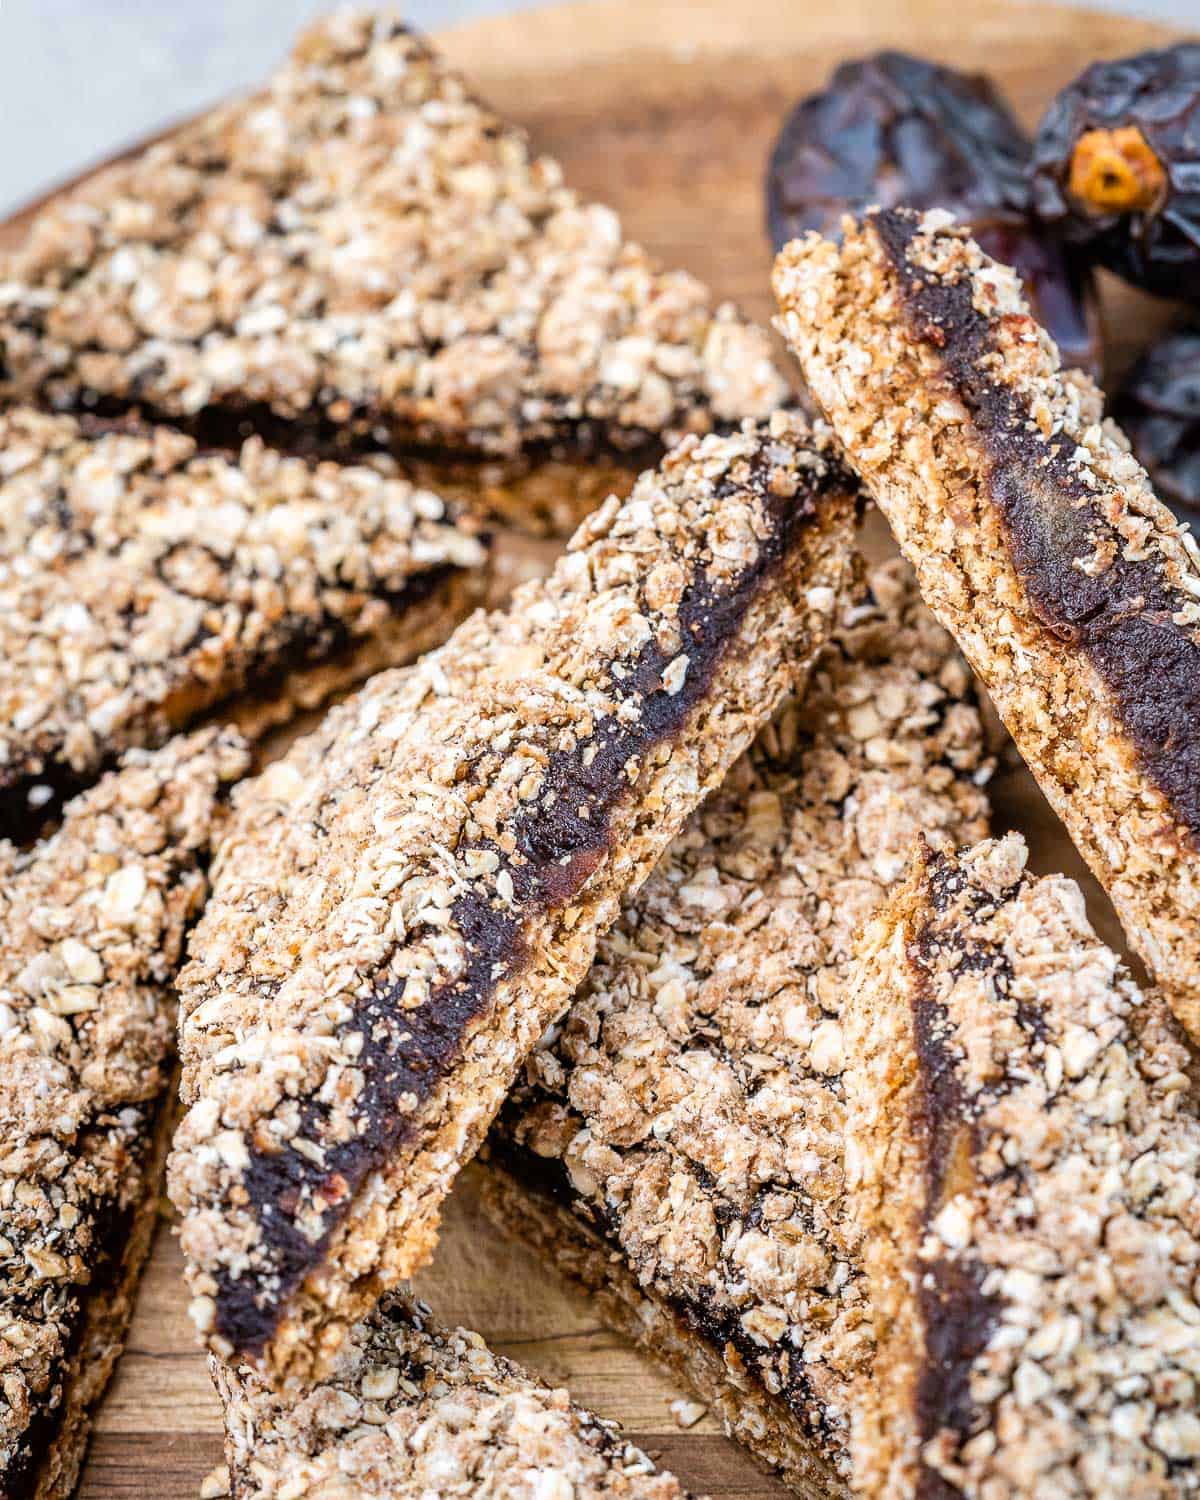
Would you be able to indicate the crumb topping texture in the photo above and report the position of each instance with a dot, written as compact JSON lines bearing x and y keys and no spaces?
{"x":412,"y":1410}
{"x":93,"y":921}
{"x":1026,"y":1147}
{"x":142,"y":582}
{"x":1037,"y":540}
{"x":690,"y":1104}
{"x":365,"y":247}
{"x":408,"y":898}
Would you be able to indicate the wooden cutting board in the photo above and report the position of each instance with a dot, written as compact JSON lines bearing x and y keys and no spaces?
{"x":665,"y":110}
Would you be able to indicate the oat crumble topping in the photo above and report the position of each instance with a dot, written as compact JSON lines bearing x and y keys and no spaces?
{"x":413,"y":1410}
{"x":1026,"y":1147}
{"x":364,"y":246}
{"x":93,"y":919}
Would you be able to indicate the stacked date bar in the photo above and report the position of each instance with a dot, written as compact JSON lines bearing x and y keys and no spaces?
{"x":1025,"y":1149}
{"x":144,"y":584}
{"x":408,"y":898}
{"x":362,"y":255}
{"x":1037,"y":541}
{"x":676,"y":1142}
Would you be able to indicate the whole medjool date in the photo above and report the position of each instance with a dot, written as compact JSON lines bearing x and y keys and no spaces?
{"x":1159,"y":408}
{"x":1116,"y":168}
{"x":892,"y":129}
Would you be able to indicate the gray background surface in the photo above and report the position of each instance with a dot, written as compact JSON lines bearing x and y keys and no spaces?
{"x":80,"y":78}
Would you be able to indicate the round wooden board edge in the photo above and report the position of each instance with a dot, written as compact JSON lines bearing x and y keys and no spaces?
{"x":687,"y":30}
{"x":693,"y":30}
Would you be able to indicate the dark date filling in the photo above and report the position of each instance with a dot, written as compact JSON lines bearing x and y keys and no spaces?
{"x":957,"y":1318}
{"x":558,"y":848}
{"x":34,"y":789}
{"x":315,"y":435}
{"x":1121,"y":620}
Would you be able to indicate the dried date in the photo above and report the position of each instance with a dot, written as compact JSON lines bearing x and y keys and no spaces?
{"x":1159,"y":408}
{"x":1116,"y":168}
{"x":893,"y":129}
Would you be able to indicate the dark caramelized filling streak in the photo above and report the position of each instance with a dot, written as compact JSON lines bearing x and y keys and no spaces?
{"x":315,"y":435}
{"x":557,"y":851}
{"x":957,"y":1318}
{"x":1121,"y":619}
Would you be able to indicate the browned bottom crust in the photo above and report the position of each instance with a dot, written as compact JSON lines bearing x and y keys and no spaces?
{"x":547,"y":498}
{"x":105,"y":1324}
{"x":750,"y":1414}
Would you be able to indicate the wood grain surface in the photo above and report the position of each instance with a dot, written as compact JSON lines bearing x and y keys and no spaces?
{"x":666,"y":111}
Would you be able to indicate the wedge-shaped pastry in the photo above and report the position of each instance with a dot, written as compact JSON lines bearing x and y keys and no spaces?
{"x":93,"y":921}
{"x":407,"y":900}
{"x":1022,"y":1150}
{"x":363,"y":254}
{"x":1037,"y":541}
{"x":143,"y":584}
{"x":412,"y":1410}
{"x":676,"y":1143}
